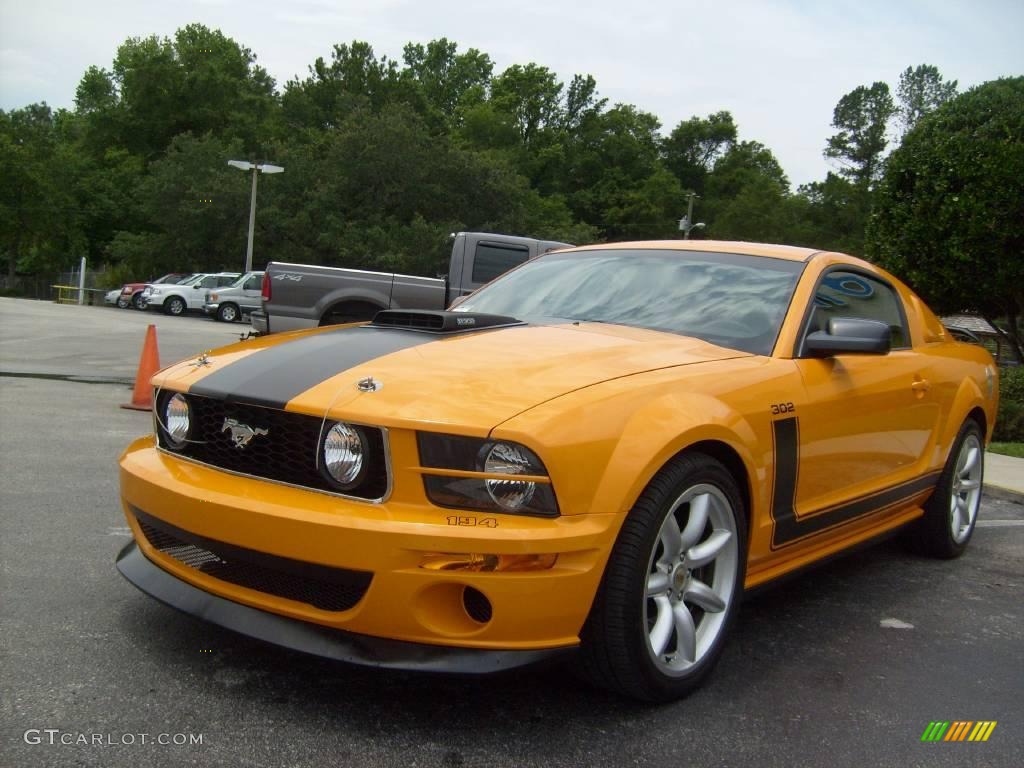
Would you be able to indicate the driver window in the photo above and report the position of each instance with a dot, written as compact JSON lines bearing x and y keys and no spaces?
{"x":850,"y":294}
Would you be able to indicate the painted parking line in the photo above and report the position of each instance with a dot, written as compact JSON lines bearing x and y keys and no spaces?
{"x":999,"y":523}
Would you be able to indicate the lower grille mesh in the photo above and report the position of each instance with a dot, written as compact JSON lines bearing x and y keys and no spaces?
{"x":329,"y":589}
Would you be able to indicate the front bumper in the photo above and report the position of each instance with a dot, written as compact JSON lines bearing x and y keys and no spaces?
{"x":537,"y":610}
{"x":211,"y":308}
{"x":311,"y":638}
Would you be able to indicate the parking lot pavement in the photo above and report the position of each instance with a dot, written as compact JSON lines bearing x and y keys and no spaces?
{"x":843,"y":666}
{"x":66,"y":339}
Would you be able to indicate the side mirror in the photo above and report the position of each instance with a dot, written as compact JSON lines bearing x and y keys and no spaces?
{"x":849,"y":336}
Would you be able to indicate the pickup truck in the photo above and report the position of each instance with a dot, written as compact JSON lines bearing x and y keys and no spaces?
{"x":304,"y":296}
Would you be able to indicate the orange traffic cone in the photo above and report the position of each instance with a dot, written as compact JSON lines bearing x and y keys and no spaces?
{"x":149,"y":363}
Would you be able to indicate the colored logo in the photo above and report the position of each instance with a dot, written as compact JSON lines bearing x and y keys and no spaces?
{"x":958,"y":730}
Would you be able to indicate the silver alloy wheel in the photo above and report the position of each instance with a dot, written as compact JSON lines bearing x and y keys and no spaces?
{"x":966,"y":489}
{"x":691,"y":578}
{"x":175,"y":306}
{"x":228,"y":313}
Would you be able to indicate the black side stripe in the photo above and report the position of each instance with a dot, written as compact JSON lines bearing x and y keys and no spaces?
{"x":271,"y":377}
{"x":787,"y":529}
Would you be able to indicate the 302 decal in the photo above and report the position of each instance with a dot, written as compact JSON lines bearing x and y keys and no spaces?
{"x":779,"y":408}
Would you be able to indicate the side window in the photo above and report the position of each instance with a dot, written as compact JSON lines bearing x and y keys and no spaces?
{"x":493,"y":260}
{"x":254,"y":283}
{"x":851,"y":294}
{"x":225,"y":280}
{"x":209,"y":282}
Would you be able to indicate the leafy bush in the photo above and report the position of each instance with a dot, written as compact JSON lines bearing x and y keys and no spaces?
{"x":1011,"y":384}
{"x":1009,"y":422}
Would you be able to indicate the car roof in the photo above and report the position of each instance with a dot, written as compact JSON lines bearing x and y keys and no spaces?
{"x":788,"y":252}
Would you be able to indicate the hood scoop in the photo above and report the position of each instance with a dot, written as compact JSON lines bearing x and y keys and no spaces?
{"x":434,"y":321}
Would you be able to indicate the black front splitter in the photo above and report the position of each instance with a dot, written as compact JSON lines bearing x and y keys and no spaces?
{"x":313,"y":638}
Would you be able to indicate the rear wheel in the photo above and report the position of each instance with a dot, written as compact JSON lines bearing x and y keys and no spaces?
{"x":227,"y":313}
{"x":952,"y":510}
{"x":672,"y":586}
{"x":175,"y":305}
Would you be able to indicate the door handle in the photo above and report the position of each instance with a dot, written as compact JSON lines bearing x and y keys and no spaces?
{"x":920,"y":386}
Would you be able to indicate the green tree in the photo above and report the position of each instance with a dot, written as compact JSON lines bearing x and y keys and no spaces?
{"x":693,"y":147}
{"x":40,"y":221}
{"x":861,"y":117}
{"x":531,"y":95}
{"x":948,"y":211}
{"x":921,"y":90}
{"x":355,"y":79}
{"x":451,"y":82}
{"x":199,"y":82}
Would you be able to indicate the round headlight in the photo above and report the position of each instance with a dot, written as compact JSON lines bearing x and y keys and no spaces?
{"x":176,"y":421}
{"x":508,"y":459}
{"x":344,"y":455}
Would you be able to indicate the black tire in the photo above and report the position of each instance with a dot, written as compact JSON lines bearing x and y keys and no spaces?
{"x":941,"y":533}
{"x":123,"y":303}
{"x":174,"y":305}
{"x":617,"y":641}
{"x":137,"y":302}
{"x":228,"y":313}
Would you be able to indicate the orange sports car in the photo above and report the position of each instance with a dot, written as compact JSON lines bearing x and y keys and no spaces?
{"x":595,"y":454}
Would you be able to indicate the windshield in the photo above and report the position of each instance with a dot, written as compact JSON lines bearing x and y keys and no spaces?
{"x":173,"y":278}
{"x":731,"y":300}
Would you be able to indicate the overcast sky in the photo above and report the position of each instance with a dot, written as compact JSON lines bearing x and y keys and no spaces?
{"x":779,"y":66}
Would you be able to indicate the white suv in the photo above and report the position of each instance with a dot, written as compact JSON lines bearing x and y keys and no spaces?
{"x":190,"y":295}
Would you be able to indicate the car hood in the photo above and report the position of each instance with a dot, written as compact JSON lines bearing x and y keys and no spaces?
{"x":465,"y":381}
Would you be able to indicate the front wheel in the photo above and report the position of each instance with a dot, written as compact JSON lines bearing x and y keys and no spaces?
{"x":175,"y":306}
{"x":672,"y":586}
{"x":227,"y":313}
{"x":952,"y":510}
{"x":123,"y":303}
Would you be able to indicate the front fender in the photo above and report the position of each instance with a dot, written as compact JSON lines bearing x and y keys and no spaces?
{"x":603,"y":444}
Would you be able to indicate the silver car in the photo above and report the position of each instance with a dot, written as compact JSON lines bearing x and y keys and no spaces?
{"x":238,"y":299}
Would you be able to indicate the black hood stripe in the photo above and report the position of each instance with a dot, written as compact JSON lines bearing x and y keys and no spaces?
{"x":273,"y":376}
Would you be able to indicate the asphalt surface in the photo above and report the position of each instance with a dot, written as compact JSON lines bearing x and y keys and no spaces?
{"x":843,"y":666}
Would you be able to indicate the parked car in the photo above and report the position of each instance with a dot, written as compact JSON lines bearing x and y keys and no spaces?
{"x":186,"y":296}
{"x":111,"y":297}
{"x":131,"y":293}
{"x":238,"y":299}
{"x":598,"y":453}
{"x":297,"y":296}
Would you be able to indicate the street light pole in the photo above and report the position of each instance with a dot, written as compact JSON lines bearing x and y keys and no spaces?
{"x":256,"y":168}
{"x":684,"y":223}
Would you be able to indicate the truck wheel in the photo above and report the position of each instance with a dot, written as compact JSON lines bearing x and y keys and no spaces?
{"x":175,"y":305}
{"x":137,"y":302}
{"x":123,"y":303}
{"x":227,"y":313}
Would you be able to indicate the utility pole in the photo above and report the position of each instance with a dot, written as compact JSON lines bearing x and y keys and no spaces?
{"x":684,"y":223}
